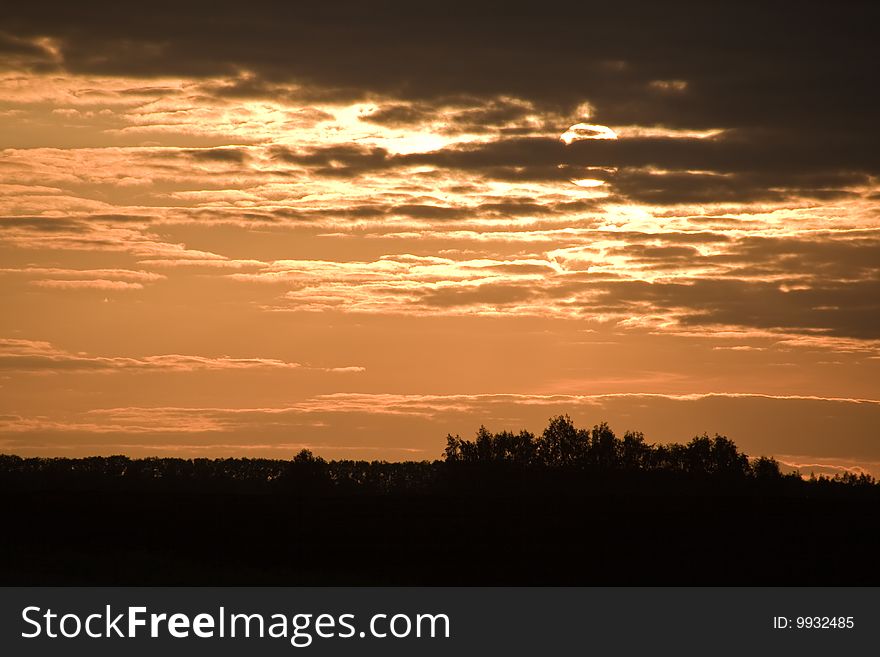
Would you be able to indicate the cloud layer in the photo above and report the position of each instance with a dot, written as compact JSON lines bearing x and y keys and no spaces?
{"x":632,"y":199}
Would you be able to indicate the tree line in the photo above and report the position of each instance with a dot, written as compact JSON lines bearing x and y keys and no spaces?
{"x":564,"y":446}
{"x":562,"y":455}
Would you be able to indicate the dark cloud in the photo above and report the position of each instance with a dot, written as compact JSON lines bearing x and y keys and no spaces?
{"x":694,"y":187}
{"x":798,"y":119}
{"x":118,"y":218}
{"x":643,"y":252}
{"x":683,"y":63}
{"x":731,"y":168}
{"x":489,"y":293}
{"x":429,"y":211}
{"x":471,"y":115}
{"x":837,"y":309}
{"x":400,"y":115}
{"x":11,"y":45}
{"x":225,"y":155}
{"x":824,"y":257}
{"x":77,"y":223}
{"x":422,"y":211}
{"x":22,"y":53}
{"x":337,"y":160}
{"x":40,"y":224}
{"x":505,"y":159}
{"x":821,"y":284}
{"x":683,"y":238}
{"x":731,"y":152}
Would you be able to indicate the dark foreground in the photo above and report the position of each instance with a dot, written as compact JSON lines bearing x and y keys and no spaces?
{"x":569,"y":507}
{"x":130,"y":537}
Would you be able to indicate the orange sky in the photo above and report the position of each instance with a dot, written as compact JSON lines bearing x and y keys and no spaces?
{"x":191,"y":269}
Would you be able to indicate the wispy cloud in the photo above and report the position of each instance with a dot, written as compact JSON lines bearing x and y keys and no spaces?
{"x":42,"y":357}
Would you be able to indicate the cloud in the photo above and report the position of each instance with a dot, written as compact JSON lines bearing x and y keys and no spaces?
{"x":224,"y":155}
{"x":40,"y":357}
{"x":632,"y":74}
{"x":828,"y":467}
{"x":712,"y":129}
{"x":33,"y":54}
{"x":536,"y":54}
{"x":741,"y":167}
{"x":848,"y":310}
{"x":89,"y":284}
{"x":815,"y":285}
{"x":85,"y":279}
{"x":86,"y":274}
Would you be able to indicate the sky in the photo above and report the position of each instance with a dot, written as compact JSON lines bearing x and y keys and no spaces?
{"x":244,"y":229}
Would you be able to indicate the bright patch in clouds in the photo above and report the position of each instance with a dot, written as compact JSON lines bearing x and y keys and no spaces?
{"x":580,"y":131}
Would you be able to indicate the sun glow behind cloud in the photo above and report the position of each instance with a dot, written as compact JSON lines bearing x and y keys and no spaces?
{"x":580,"y":131}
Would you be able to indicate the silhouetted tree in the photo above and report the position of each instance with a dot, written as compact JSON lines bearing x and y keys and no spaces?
{"x":604,"y":448}
{"x":306,"y":474}
{"x":562,"y":444}
{"x":766,"y":469}
{"x":715,"y":456}
{"x":634,"y":452}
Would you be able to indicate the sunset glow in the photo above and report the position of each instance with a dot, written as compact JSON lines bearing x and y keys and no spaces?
{"x":241,"y":257}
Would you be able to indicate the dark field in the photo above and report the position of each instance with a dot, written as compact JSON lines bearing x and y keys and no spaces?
{"x":578,"y":508}
{"x":527,"y":537}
